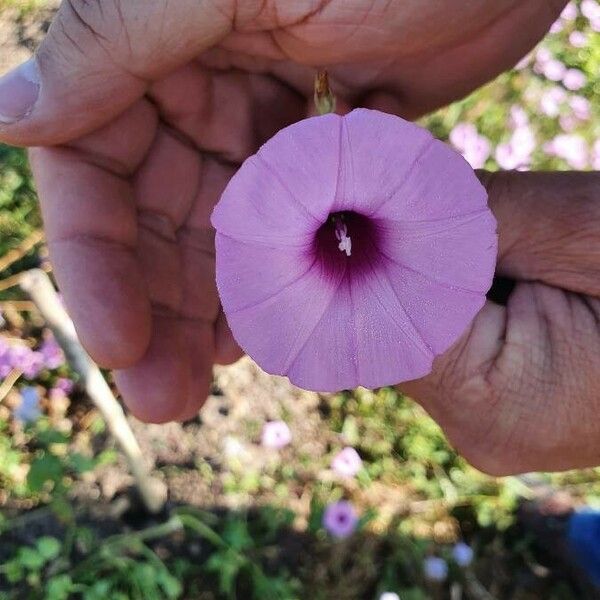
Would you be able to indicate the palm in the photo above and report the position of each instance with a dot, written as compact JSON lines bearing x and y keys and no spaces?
{"x":130,"y":233}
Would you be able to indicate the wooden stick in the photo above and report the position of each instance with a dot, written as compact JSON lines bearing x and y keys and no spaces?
{"x":9,"y":382}
{"x":21,"y":250}
{"x":40,"y":289}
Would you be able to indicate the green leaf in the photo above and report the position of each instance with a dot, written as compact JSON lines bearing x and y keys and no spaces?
{"x":171,"y":586}
{"x":48,"y":547}
{"x":31,"y":559}
{"x":80,"y":463}
{"x":236,"y":534}
{"x":45,"y":468}
{"x":59,"y":588}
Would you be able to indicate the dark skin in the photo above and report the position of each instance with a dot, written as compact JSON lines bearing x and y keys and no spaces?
{"x":150,"y":107}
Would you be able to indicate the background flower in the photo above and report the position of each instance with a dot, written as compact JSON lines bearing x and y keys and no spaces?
{"x":435,"y":569}
{"x":340,"y":519}
{"x":276,"y":434}
{"x":347,"y":462}
{"x":462,"y":554}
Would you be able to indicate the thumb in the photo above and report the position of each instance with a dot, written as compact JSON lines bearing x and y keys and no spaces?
{"x":97,"y":59}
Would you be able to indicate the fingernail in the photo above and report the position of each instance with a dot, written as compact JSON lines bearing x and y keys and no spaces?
{"x":19,"y":91}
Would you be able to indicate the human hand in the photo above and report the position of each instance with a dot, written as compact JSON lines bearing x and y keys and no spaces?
{"x":151,"y":105}
{"x":521,"y":390}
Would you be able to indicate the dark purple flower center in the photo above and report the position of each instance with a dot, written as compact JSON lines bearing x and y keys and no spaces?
{"x":347,"y":241}
{"x":342,"y":518}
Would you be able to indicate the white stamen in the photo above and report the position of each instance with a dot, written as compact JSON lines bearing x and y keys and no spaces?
{"x":341,"y":234}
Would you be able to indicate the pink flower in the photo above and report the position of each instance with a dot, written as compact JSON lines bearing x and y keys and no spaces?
{"x":52,"y":353}
{"x":569,"y":12}
{"x":518,"y":116}
{"x":567,"y":123}
{"x":554,"y":70}
{"x":523,"y":63}
{"x":352,"y":251}
{"x":577,"y":39}
{"x":590,"y":9}
{"x":347,"y":462}
{"x":574,"y":79}
{"x":581,"y":107}
{"x":517,"y":152}
{"x":64,"y":384}
{"x":551,"y":101}
{"x":557,"y":26}
{"x":475,"y":148}
{"x":276,"y":435}
{"x":340,"y":519}
{"x":571,"y":148}
{"x":596,"y":156}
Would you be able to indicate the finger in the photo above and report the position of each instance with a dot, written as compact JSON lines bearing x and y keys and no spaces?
{"x":227,"y":349}
{"x":548,"y":226}
{"x":97,"y":60}
{"x":91,"y":226}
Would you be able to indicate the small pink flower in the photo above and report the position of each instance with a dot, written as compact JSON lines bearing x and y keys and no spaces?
{"x":567,"y":123}
{"x":595,"y":159}
{"x":518,"y":116}
{"x":578,"y":39}
{"x":581,"y":107}
{"x":340,"y":519}
{"x":569,"y":12}
{"x":570,"y":147}
{"x":574,"y":79}
{"x":551,"y":101}
{"x":557,"y":26}
{"x":276,"y":435}
{"x":352,"y":251}
{"x":554,"y":70}
{"x":590,"y":9}
{"x":523,"y":63}
{"x":347,"y":462}
{"x":475,"y":148}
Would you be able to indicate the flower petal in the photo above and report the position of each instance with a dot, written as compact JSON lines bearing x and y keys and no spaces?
{"x":250,"y":273}
{"x":458,"y":251}
{"x":440,"y":185}
{"x":288,"y":187}
{"x":368,"y":176}
{"x":364,"y":338}
{"x":274,"y":330}
{"x":440,"y":311}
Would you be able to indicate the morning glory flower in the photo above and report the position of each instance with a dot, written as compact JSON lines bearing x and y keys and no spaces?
{"x":435,"y":568}
{"x":554,"y":70}
{"x":23,"y":358}
{"x":276,"y":435}
{"x":347,"y":462}
{"x":340,"y":519}
{"x":569,"y":12}
{"x":462,"y":554}
{"x":581,"y":107}
{"x":577,"y":39}
{"x":574,"y":79}
{"x":52,"y":353}
{"x":352,"y":251}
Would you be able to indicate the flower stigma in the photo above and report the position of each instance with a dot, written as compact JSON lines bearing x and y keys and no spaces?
{"x":341,"y":234}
